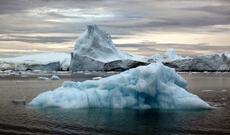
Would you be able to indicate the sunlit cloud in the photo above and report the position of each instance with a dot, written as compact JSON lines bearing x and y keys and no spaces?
{"x":138,"y":26}
{"x":20,"y":50}
{"x":71,"y":14}
{"x":176,"y":38}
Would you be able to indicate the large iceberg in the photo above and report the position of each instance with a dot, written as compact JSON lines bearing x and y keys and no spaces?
{"x":214,"y":62}
{"x":41,"y":61}
{"x":97,"y":44}
{"x":94,"y":51}
{"x":146,"y":87}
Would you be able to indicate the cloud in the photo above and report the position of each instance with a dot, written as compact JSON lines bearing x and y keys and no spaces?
{"x":119,"y":18}
{"x":132,"y":16}
{"x":152,"y":48}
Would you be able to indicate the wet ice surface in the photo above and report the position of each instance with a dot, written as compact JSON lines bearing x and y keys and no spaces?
{"x":146,"y":87}
{"x":18,"y":119}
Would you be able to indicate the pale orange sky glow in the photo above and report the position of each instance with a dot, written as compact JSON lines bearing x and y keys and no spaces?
{"x":143,"y":27}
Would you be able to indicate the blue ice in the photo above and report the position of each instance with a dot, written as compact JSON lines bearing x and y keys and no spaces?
{"x":146,"y":87}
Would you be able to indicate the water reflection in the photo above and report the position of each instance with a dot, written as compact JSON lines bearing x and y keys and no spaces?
{"x":18,"y":119}
{"x":127,"y":121}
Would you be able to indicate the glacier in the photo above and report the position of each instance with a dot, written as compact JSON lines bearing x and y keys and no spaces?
{"x":146,"y":87}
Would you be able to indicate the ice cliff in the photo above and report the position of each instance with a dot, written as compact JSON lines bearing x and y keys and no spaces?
{"x":214,"y":62}
{"x":144,"y":87}
{"x":95,"y":51}
{"x":42,"y":61}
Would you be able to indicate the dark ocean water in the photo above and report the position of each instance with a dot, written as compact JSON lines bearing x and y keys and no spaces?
{"x":18,"y":119}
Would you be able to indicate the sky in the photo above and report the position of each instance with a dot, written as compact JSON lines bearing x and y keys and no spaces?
{"x":144,"y":27}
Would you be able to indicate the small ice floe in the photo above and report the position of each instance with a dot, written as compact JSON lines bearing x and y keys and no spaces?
{"x":190,"y":72}
{"x":43,"y":78}
{"x":87,"y":73}
{"x":23,"y":76}
{"x":80,"y":72}
{"x":8,"y":71}
{"x":20,"y":81}
{"x":13,"y":73}
{"x":207,"y":90}
{"x":111,"y":72}
{"x":55,"y":77}
{"x":218,"y":104}
{"x":19,"y":100}
{"x":223,"y":90}
{"x":96,"y":78}
{"x":37,"y":71}
{"x":217,"y":72}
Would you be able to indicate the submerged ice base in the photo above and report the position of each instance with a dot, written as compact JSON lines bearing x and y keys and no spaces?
{"x":147,"y":87}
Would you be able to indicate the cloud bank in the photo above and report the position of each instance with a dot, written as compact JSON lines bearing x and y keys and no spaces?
{"x":155,"y":24}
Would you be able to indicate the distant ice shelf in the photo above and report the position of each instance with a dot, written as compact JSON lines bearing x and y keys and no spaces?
{"x":169,"y":56}
{"x":40,"y":59}
{"x":145,"y":87}
{"x":207,"y":63}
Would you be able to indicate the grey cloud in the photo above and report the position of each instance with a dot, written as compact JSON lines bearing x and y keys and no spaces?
{"x":153,"y":17}
{"x":40,"y":39}
{"x":131,"y":16}
{"x":17,"y":6}
{"x":150,"y":48}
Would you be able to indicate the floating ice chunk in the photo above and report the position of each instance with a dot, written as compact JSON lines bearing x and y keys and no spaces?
{"x":43,"y":78}
{"x":223,"y":90}
{"x":152,"y":86}
{"x":207,"y":90}
{"x":19,"y":100}
{"x":55,"y":77}
{"x":87,"y":73}
{"x":96,"y":78}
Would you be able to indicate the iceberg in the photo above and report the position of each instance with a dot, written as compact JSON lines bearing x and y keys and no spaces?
{"x":169,"y":56}
{"x":55,"y":77}
{"x":214,"y":62}
{"x":97,"y":44}
{"x":43,"y":78}
{"x":41,"y":61}
{"x":94,"y":51}
{"x":146,"y":87}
